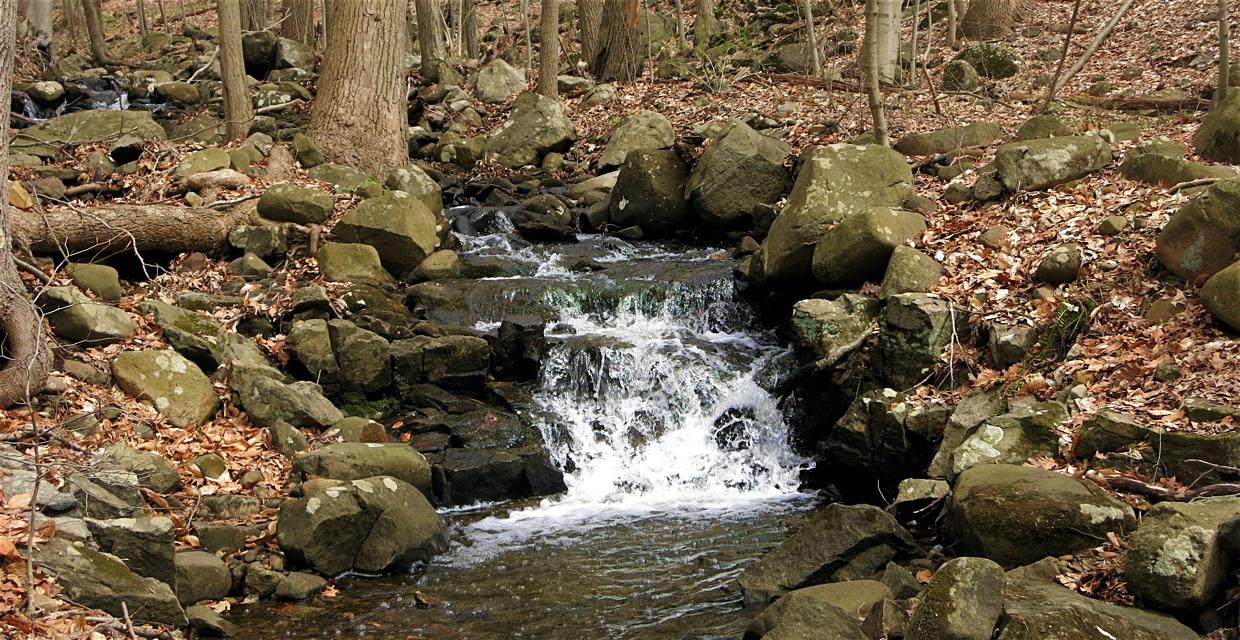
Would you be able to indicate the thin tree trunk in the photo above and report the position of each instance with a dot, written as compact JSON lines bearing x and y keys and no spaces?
{"x":39,"y":18}
{"x":681,"y":39}
{"x":359,"y":115}
{"x":988,"y":19}
{"x":298,"y":21}
{"x":141,"y":8}
{"x":458,"y":27}
{"x":589,"y":21}
{"x":912,"y":63}
{"x":26,"y":358}
{"x":704,"y":23}
{"x":471,"y":39}
{"x":529,"y":36}
{"x":94,"y":27}
{"x":1093,"y":46}
{"x":1224,"y":52}
{"x":253,"y":14}
{"x":238,"y":110}
{"x":163,"y":16}
{"x":885,"y":39}
{"x":620,"y":55}
{"x":873,"y":27}
{"x":549,"y":48}
{"x":815,"y":57}
{"x":73,"y":18}
{"x":952,"y":21}
{"x":431,"y":38}
{"x":1063,"y":56}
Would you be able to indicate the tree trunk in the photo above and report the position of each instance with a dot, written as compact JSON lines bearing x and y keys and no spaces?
{"x":1063,"y":57}
{"x":529,"y":35}
{"x":815,"y":58}
{"x":128,"y":227}
{"x":472,"y":38}
{"x":988,"y":19}
{"x":431,"y":38}
{"x":238,"y":110}
{"x":94,"y":27}
{"x":74,"y":22}
{"x":549,"y":48}
{"x":142,"y":28}
{"x":298,"y":21}
{"x":1224,"y":52}
{"x":620,"y":54}
{"x":25,"y":356}
{"x":1093,"y":47}
{"x":253,"y":14}
{"x":873,"y":28}
{"x":589,"y":21}
{"x":704,"y":23}
{"x":952,"y":21}
{"x":163,"y":16}
{"x":681,"y":38}
{"x":884,"y":36}
{"x":39,"y":18}
{"x":359,"y":114}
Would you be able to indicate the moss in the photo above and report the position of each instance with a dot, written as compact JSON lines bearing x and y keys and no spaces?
{"x":371,"y":409}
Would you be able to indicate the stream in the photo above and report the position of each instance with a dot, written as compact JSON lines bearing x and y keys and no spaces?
{"x":653,"y":399}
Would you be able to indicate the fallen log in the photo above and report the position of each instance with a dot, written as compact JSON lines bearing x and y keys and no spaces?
{"x":1127,"y":103}
{"x":143,"y":228}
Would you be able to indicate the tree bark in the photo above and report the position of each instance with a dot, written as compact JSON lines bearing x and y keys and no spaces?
{"x":988,"y":19}
{"x":589,"y":21}
{"x":812,"y":33}
{"x":253,"y":14}
{"x":39,"y":18}
{"x":549,"y":49}
{"x":121,"y":227}
{"x":1224,"y":52}
{"x":359,"y":114}
{"x":884,"y":37}
{"x":431,"y":38}
{"x":94,"y":27}
{"x":873,"y":26}
{"x":472,"y":38}
{"x":704,"y":23}
{"x":952,"y":21}
{"x":141,"y":8}
{"x":298,"y":22}
{"x":25,"y":359}
{"x":620,"y":54}
{"x":238,"y":110}
{"x":72,"y":11}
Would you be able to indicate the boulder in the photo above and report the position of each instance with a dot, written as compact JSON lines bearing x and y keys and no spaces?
{"x":1218,"y":137}
{"x":291,"y":203}
{"x":258,"y":48}
{"x":101,"y":280}
{"x":370,"y":525}
{"x":181,"y":93}
{"x":536,"y":125}
{"x":354,"y":429}
{"x":343,"y":178}
{"x":650,"y":193}
{"x":443,"y":264}
{"x":291,"y":54}
{"x":474,"y":476}
{"x":498,"y":81}
{"x":207,"y":623}
{"x":413,"y":181}
{"x":1012,"y":438}
{"x":1158,"y":169}
{"x":858,"y":248}
{"x":883,"y":436}
{"x":992,"y":60}
{"x":1114,"y":437}
{"x":298,"y":586}
{"x":827,"y":331}
{"x":1203,"y":237}
{"x":840,"y":542}
{"x":249,"y":267}
{"x":262,"y":241}
{"x":1221,"y":295}
{"x":962,"y":602}
{"x":268,"y":400}
{"x":98,"y":580}
{"x":308,"y":154}
{"x":976,"y":134}
{"x":203,"y":161}
{"x":1042,"y":126}
{"x":145,"y":544}
{"x":153,"y":471}
{"x":358,"y":263}
{"x":46,"y":92}
{"x":46,"y":140}
{"x":76,"y":319}
{"x":449,"y":361}
{"x":400,"y":228}
{"x":174,"y":385}
{"x":201,"y":576}
{"x":914,"y":329}
{"x":1060,"y":265}
{"x":1015,"y":515}
{"x":1180,"y":556}
{"x":544,"y":217}
{"x":356,"y":460}
{"x":909,"y":271}
{"x":363,"y":356}
{"x":1032,"y":165}
{"x":738,"y":175}
{"x":823,"y":611}
{"x":203,"y":340}
{"x":959,"y":75}
{"x":640,"y":131}
{"x":834,"y":182}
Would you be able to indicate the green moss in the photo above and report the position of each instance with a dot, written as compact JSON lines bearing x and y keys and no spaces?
{"x":370,"y":409}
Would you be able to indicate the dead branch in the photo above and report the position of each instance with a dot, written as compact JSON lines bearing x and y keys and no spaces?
{"x":1156,"y":493}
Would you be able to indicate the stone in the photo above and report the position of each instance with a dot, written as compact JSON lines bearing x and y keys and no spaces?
{"x":1112,"y":226}
{"x":1166,"y":453}
{"x":259,"y":51}
{"x":203,"y":161}
{"x":536,"y":125}
{"x":1218,"y":137}
{"x":145,"y":544}
{"x":995,"y":237}
{"x":1061,"y":265}
{"x":1032,"y":165}
{"x":152,"y":470}
{"x":1180,"y":555}
{"x":203,"y":340}
{"x":261,"y":241}
{"x":287,"y":439}
{"x":474,"y":476}
{"x":354,"y":429}
{"x":46,"y":92}
{"x":827,"y":331}
{"x":1157,"y":169}
{"x":858,"y":249}
{"x":834,"y":183}
{"x":1042,"y":126}
{"x":499,"y":81}
{"x":249,"y":266}
{"x":962,"y":602}
{"x":354,"y":461}
{"x":78,"y":320}
{"x":400,"y":228}
{"x":73,"y":128}
{"x":299,"y":585}
{"x":443,"y":264}
{"x":600,"y":94}
{"x":650,"y":193}
{"x":987,"y":188}
{"x":181,"y":93}
{"x":291,"y":54}
{"x":175,"y":386}
{"x":840,"y":542}
{"x":363,"y":357}
{"x":207,"y":623}
{"x":640,"y":131}
{"x":1203,"y":236}
{"x":573,"y":85}
{"x":1221,"y":296}
{"x":288,"y":202}
{"x":372,"y":525}
{"x":1015,"y":515}
{"x":450,"y":361}
{"x":100,"y":580}
{"x":1009,"y":344}
{"x":883,"y":436}
{"x":886,"y":619}
{"x":211,"y":465}
{"x":914,"y":329}
{"x":909,"y":271}
{"x":343,"y":178}
{"x":914,"y":494}
{"x":544,"y":217}
{"x":268,"y":401}
{"x":415,"y":182}
{"x":308,"y":153}
{"x":992,"y":60}
{"x":959,"y":75}
{"x":738,"y":175}
{"x":357,"y":263}
{"x":976,"y":134}
{"x":800,"y":616}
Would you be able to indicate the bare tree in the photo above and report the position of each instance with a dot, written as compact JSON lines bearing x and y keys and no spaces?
{"x":431,"y":38}
{"x":812,"y":33}
{"x":883,"y":38}
{"x":298,"y":22}
{"x":39,"y":17}
{"x":620,"y":54}
{"x":589,"y":21}
{"x":253,"y":14}
{"x":359,"y":115}
{"x":1063,"y":56}
{"x":471,"y":38}
{"x":870,"y":54}
{"x":704,"y":23}
{"x":988,"y":19}
{"x":26,"y":358}
{"x":549,"y":48}
{"x":74,"y":22}
{"x":1224,"y":52}
{"x":94,"y":27}
{"x":141,"y":9}
{"x":238,"y":110}
{"x":1093,"y":47}
{"x":952,"y":22}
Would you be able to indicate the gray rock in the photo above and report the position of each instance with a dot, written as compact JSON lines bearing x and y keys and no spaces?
{"x":449,"y":361}
{"x":1032,"y":165}
{"x":208,"y":623}
{"x":1221,"y":295}
{"x":358,"y":460}
{"x":1043,"y":126}
{"x":343,"y":178}
{"x":882,"y":436}
{"x":914,"y":329}
{"x":101,"y":280}
{"x":309,"y":344}
{"x":1114,"y":437}
{"x":412,"y":180}
{"x":357,"y":263}
{"x":1180,"y":555}
{"x":260,"y":241}
{"x":1203,"y":237}
{"x":203,"y":340}
{"x":443,"y":264}
{"x":1158,"y":169}
{"x":959,"y":75}
{"x":1061,"y":265}
{"x":640,"y":131}
{"x":400,"y":228}
{"x":268,"y":401}
{"x":76,"y":319}
{"x":201,"y":576}
{"x":308,"y":153}
{"x":174,"y":385}
{"x":99,"y":580}
{"x":962,"y":602}
{"x":291,"y":54}
{"x":1218,"y":137}
{"x":650,"y":193}
{"x":287,"y":439}
{"x":800,"y":616}
{"x":203,"y":161}
{"x":829,"y":330}
{"x":858,"y":249}
{"x":536,"y":125}
{"x":952,"y":139}
{"x":249,"y":267}
{"x":153,"y":471}
{"x":98,"y":124}
{"x":364,"y":357}
{"x":300,"y":586}
{"x":737,"y":176}
{"x":498,"y":81}
{"x":909,"y":271}
{"x":293,"y":203}
{"x":145,"y":544}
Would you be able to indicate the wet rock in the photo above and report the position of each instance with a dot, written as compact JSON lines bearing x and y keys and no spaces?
{"x":1032,"y":165}
{"x":1061,"y":265}
{"x":1180,"y":555}
{"x":99,"y":580}
{"x":829,"y":330}
{"x":914,"y":329}
{"x":1042,"y":126}
{"x":992,"y":60}
{"x":952,"y":139}
{"x":471,"y":476}
{"x":291,"y":203}
{"x":76,"y":319}
{"x":536,"y":125}
{"x":174,"y":385}
{"x":498,"y":81}
{"x":544,"y":217}
{"x":959,"y":75}
{"x":357,"y":263}
{"x":650,"y":193}
{"x":801,"y":615}
{"x":738,"y":174}
{"x":520,"y":347}
{"x":449,"y":361}
{"x":1016,"y":515}
{"x":1221,"y":295}
{"x":400,"y":228}
{"x":640,"y":131}
{"x":145,"y":544}
{"x":910,"y":271}
{"x":207,"y":623}
{"x":1204,"y":235}
{"x":298,"y":586}
{"x":373,"y":525}
{"x":1218,"y":137}
{"x":838,"y":543}
{"x":859,"y":247}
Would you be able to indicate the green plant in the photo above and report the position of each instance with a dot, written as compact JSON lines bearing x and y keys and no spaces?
{"x":1070,"y":320}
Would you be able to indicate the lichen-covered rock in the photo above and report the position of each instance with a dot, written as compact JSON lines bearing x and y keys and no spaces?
{"x":174,"y":385}
{"x":1012,"y":438}
{"x":203,"y":340}
{"x":1203,"y":237}
{"x":1218,"y":137}
{"x":356,"y":460}
{"x":952,"y":139}
{"x":1042,"y":126}
{"x":737,"y":175}
{"x":498,"y":81}
{"x":293,"y":203}
{"x":154,"y":472}
{"x":1221,"y":295}
{"x":992,"y":60}
{"x":883,"y":436}
{"x":1038,"y":164}
{"x":829,"y":330}
{"x":858,"y":248}
{"x":100,"y":580}
{"x":962,"y":602}
{"x":145,"y":544}
{"x":959,"y":75}
{"x":1180,"y":555}
{"x":352,"y":262}
{"x":641,"y":131}
{"x":78,"y":320}
{"x":268,"y":400}
{"x":914,"y":329}
{"x":650,"y":193}
{"x":400,"y":228}
{"x":909,"y":271}
{"x":536,"y":125}
{"x":45,"y":140}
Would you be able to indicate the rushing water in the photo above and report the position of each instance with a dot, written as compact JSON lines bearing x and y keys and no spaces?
{"x":679,"y":473}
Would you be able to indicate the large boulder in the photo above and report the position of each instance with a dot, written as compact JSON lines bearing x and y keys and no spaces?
{"x":498,"y":81}
{"x":1038,"y":164}
{"x":914,"y":330}
{"x":147,"y":545}
{"x":1218,"y":137}
{"x":78,"y":320}
{"x":962,"y":602}
{"x":201,"y":576}
{"x":399,"y":227}
{"x":1203,"y":237}
{"x":883,"y":436}
{"x":857,"y":249}
{"x":203,"y":340}
{"x":371,"y":525}
{"x":738,"y":175}
{"x":823,"y":611}
{"x":293,"y":203}
{"x":352,"y":262}
{"x":536,"y":125}
{"x":100,"y":580}
{"x":356,"y":460}
{"x":415,"y":182}
{"x":364,"y":357}
{"x":473,"y":476}
{"x":1012,"y":438}
{"x":1180,"y":556}
{"x":174,"y":385}
{"x":1016,"y":515}
{"x":1112,"y":437}
{"x":291,"y":54}
{"x":840,"y":542}
{"x":47,"y":140}
{"x":827,"y":331}
{"x":834,"y":182}
{"x":992,"y":60}
{"x":1221,"y":295}
{"x":268,"y":400}
{"x":952,"y":139}
{"x":650,"y":193}
{"x":641,"y":131}
{"x":448,"y":361}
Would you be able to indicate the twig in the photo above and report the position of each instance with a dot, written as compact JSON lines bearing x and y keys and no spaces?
{"x":32,"y":270}
{"x":1200,"y":182}
{"x":272,"y":108}
{"x":204,"y":67}
{"x":1157,"y":493}
{"x":128,"y":623}
{"x":1062,"y":81}
{"x":1063,"y":57}
{"x":90,"y":187}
